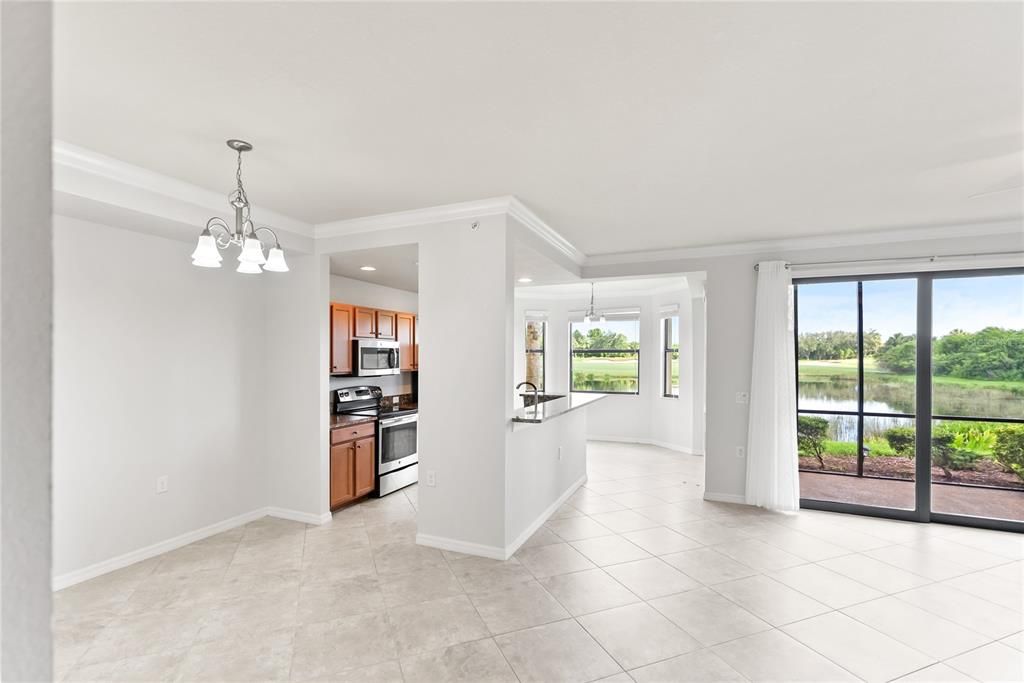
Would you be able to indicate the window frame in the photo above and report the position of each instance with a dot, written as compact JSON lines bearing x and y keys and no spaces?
{"x":922,"y":416}
{"x":666,"y":355}
{"x":636,"y":352}
{"x":542,"y":351}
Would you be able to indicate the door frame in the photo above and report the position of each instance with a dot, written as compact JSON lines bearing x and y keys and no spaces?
{"x":923,"y":414}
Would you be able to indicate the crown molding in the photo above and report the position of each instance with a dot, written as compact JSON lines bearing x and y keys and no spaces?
{"x":545,"y":232}
{"x":848,"y":239}
{"x":508,"y":205}
{"x":406,"y":219}
{"x":82,"y":173}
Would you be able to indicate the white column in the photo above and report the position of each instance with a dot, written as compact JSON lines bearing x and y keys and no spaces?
{"x":25,"y":341}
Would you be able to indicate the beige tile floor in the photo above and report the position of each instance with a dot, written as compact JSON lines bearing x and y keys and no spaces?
{"x":636,"y":578}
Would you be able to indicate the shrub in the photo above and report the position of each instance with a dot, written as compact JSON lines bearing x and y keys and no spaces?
{"x":946,"y":455}
{"x":978,"y":437}
{"x":1009,"y":448}
{"x":902,"y":440}
{"x":811,"y":433}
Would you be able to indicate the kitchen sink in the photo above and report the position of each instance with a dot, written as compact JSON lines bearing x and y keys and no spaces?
{"x":541,"y":398}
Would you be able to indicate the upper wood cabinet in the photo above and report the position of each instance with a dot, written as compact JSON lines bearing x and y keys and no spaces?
{"x":405,"y":326}
{"x":364,"y":323}
{"x":350,"y":322}
{"x":341,"y":339}
{"x":386,"y":323}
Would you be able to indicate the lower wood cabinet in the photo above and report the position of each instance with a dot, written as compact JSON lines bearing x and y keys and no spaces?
{"x":353,"y":469}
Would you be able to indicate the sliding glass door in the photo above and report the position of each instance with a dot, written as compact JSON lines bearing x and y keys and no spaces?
{"x":978,"y":397}
{"x":911,"y":395}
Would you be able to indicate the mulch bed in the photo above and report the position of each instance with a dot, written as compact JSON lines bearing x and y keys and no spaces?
{"x":984,"y":472}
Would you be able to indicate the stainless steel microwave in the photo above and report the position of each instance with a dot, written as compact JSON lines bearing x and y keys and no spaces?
{"x":374,"y":357}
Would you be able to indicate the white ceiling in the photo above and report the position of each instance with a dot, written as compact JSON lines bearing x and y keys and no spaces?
{"x":396,"y":266}
{"x":624,"y":126}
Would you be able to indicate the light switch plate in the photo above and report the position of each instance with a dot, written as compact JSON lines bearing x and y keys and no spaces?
{"x":162,"y":484}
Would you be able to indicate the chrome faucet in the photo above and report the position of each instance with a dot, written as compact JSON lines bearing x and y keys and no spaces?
{"x":536,"y":394}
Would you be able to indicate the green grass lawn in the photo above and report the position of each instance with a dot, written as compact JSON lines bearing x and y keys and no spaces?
{"x":848,"y":369}
{"x":607,"y":367}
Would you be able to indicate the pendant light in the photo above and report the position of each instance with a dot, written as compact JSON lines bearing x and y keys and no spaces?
{"x":591,"y":314}
{"x":219,"y":235}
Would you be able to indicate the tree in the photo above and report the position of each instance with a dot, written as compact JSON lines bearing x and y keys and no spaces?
{"x":993,"y":353}
{"x":811,"y":433}
{"x":899,"y":353}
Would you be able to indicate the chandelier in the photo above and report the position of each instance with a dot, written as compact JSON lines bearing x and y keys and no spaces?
{"x":219,"y":235}
{"x":589,"y":316}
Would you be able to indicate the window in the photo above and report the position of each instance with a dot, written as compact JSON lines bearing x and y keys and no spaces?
{"x":670,"y":357}
{"x":605,"y":356}
{"x":909,"y":395}
{"x":535,"y":337}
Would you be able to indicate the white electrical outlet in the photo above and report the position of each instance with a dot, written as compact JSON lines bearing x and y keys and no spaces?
{"x":742,"y":397}
{"x":741,"y":452}
{"x":161,"y":484}
{"x":431,"y":478}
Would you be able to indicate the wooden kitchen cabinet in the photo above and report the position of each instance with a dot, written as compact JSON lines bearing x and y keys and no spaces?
{"x":341,"y":339}
{"x":350,"y":322}
{"x":364,"y":322}
{"x":405,"y":326}
{"x":343,"y":483}
{"x":353,"y":463}
{"x":386,"y":324}
{"x":364,"y":479}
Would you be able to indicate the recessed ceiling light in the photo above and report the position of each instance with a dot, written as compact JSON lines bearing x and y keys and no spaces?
{"x":367,"y":268}
{"x":524,"y":280}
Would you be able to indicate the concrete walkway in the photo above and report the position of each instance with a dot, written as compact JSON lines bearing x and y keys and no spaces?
{"x":892,"y":493}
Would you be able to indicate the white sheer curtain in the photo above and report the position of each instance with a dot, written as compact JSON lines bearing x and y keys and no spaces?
{"x":772,"y":478}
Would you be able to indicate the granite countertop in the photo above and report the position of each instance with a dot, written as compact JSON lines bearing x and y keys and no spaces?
{"x":551,"y":409}
{"x":339,"y":421}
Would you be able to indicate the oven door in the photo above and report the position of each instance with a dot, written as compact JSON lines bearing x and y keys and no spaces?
{"x":397,"y":443}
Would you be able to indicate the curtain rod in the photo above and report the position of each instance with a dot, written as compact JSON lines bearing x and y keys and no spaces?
{"x":930,"y":259}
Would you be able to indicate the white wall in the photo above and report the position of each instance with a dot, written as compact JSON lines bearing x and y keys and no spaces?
{"x":536,"y":478}
{"x":730,"y":289}
{"x":25,"y":341}
{"x":645,"y":418}
{"x":350,"y":291}
{"x":465,"y":373}
{"x":159,"y":369}
{"x":295,"y":388}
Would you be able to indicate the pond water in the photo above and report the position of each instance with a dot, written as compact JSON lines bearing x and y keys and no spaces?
{"x":881,"y":396}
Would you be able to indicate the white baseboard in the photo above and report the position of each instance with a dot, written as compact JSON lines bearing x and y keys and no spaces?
{"x":296,"y":516}
{"x":121,"y":561}
{"x":511,"y":548}
{"x":645,"y":442}
{"x":725,"y":498}
{"x":490,"y":551}
{"x":495,"y":552}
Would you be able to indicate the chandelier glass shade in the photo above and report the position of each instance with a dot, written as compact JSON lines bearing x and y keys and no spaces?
{"x":219,"y":235}
{"x":589,"y":316}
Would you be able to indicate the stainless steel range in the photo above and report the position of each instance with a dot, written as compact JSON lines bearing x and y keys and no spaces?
{"x":397,"y":433}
